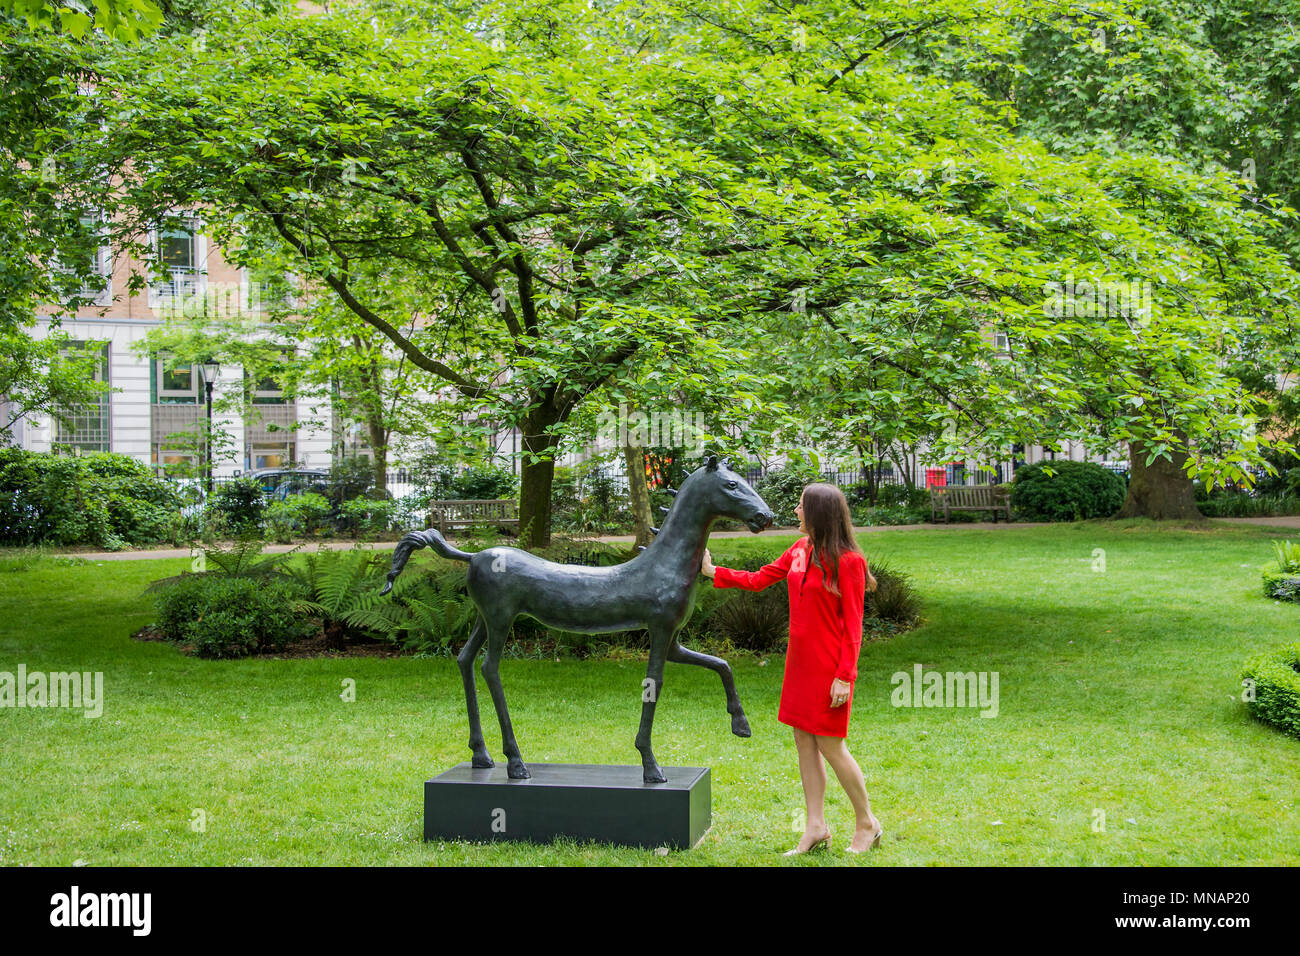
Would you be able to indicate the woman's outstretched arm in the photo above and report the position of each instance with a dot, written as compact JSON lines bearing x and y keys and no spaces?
{"x":755,"y":580}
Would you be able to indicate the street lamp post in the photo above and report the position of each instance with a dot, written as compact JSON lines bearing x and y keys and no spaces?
{"x":210,"y":371}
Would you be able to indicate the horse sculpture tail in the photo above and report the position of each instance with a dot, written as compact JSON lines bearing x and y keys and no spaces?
{"x":413,"y":542}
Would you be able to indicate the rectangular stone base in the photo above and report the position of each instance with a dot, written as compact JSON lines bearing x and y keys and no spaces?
{"x":609,"y":804}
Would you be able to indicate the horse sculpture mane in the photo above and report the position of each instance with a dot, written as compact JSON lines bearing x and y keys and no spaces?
{"x":654,"y":590}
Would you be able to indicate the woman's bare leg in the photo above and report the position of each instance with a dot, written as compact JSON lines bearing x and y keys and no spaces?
{"x":849,"y":774}
{"x":813,"y":774}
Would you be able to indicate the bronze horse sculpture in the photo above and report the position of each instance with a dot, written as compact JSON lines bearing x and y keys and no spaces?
{"x":654,"y":590}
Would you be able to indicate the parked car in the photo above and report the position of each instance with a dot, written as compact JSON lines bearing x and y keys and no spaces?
{"x":279,"y":483}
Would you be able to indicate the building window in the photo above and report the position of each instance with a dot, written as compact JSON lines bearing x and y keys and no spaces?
{"x":1001,"y":343}
{"x":176,"y":384}
{"x":176,"y":461}
{"x":278,"y":456}
{"x":85,"y":427}
{"x":179,"y":250}
{"x":264,"y":391}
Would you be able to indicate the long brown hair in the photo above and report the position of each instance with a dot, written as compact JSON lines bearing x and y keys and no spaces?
{"x":830,"y":527}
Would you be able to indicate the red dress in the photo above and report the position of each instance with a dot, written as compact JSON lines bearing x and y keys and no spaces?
{"x":825,"y":634}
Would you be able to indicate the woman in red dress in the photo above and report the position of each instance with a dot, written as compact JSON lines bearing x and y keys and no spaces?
{"x":827,"y":577}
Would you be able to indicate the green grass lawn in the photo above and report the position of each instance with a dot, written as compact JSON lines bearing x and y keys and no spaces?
{"x":1119,"y":696}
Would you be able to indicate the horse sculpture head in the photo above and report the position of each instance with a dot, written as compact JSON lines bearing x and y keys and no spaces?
{"x":726,"y":494}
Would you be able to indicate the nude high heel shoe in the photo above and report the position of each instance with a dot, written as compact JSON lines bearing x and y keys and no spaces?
{"x":875,"y":841}
{"x":823,"y":844}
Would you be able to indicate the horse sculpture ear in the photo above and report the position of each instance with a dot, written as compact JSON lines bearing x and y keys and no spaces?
{"x":726,"y":463}
{"x":711,"y":463}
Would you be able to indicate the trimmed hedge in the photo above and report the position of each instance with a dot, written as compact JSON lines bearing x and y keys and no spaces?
{"x":1282,"y":585}
{"x":1276,"y":677}
{"x":1075,"y":491}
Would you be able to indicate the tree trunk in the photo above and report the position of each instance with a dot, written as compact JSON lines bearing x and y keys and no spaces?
{"x":375,"y":422}
{"x":1161,"y":490}
{"x":634,"y":457}
{"x":899,"y":458}
{"x":536,"y":476}
{"x":379,"y":455}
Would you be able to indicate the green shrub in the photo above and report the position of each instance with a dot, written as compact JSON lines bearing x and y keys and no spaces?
{"x":1239,"y":504}
{"x":484,"y":483}
{"x":866,"y":517}
{"x":304,"y":514}
{"x":782,"y":490}
{"x":226,"y":616}
{"x":1285,"y":481}
{"x":279,"y":524}
{"x":369,"y":515}
{"x":1075,"y":491}
{"x":914,"y":499}
{"x":590,"y":500}
{"x":436,"y":479}
{"x":1282,"y":579}
{"x":350,"y":478}
{"x":1274,"y":677}
{"x":895,"y":598}
{"x":1282,"y":585}
{"x":107,"y":499}
{"x":241,"y":502}
{"x":754,"y":621}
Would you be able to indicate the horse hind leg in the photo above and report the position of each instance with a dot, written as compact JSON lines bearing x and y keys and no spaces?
{"x":465,"y":660}
{"x":496,"y":640}
{"x":684,"y":655}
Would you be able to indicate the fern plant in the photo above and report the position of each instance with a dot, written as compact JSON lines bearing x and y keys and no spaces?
{"x":435,"y":623}
{"x":342,"y":589}
{"x":243,"y":559}
{"x":1288,"y":556}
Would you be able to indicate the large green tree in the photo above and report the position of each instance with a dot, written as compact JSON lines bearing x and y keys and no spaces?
{"x":1206,"y":87}
{"x":52,"y":203}
{"x":606,"y":185}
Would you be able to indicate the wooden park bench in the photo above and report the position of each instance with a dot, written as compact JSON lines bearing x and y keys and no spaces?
{"x":460,"y":515}
{"x":969,"y":498}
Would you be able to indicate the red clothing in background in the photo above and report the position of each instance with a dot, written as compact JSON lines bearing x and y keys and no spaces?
{"x":825,"y":634}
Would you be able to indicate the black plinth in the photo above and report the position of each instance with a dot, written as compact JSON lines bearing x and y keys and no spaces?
{"x":582,"y":801}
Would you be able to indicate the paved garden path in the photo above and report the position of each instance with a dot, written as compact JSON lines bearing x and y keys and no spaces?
{"x":1291,"y":521}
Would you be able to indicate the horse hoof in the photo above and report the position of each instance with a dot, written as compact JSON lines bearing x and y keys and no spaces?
{"x":740,"y":726}
{"x":482,"y":762}
{"x":654,"y":776}
{"x":516,"y":770}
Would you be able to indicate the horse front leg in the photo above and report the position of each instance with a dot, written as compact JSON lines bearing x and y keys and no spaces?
{"x":684,"y":655}
{"x":465,"y":660}
{"x":497,"y":632}
{"x":650,"y":690}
